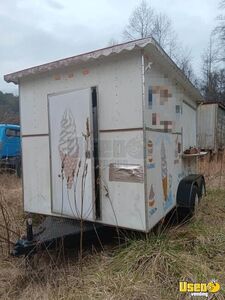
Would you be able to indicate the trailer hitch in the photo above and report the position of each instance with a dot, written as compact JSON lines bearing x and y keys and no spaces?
{"x":26,"y":245}
{"x":53,"y":229}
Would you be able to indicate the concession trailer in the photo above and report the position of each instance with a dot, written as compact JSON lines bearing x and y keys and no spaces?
{"x":104,"y":134}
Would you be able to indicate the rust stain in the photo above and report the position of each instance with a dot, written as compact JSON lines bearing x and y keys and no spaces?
{"x":57,"y":77}
{"x":85,"y":71}
{"x":62,"y":63}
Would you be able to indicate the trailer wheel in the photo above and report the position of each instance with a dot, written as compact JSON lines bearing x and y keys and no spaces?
{"x":186,"y":213}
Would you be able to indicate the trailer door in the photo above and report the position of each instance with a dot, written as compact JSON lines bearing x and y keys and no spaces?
{"x":71,"y":148}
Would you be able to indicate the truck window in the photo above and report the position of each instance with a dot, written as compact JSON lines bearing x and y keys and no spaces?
{"x":12,"y":132}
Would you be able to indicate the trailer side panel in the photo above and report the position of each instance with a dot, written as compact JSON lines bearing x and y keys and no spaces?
{"x":118,"y":81}
{"x":170,"y":128}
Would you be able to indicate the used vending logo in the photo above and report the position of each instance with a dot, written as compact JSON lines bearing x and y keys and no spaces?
{"x":199,"y":289}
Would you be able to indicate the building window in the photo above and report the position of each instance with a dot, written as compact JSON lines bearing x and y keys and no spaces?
{"x":150,"y":98}
{"x":12,"y":132}
{"x":178,"y":109}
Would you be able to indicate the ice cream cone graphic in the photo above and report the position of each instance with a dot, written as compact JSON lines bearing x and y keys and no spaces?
{"x":68,"y":147}
{"x":164,"y":171}
{"x":151,"y":198}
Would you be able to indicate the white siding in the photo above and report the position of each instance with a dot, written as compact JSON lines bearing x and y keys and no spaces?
{"x":169,"y":122}
{"x":189,"y":126}
{"x":36,"y":171}
{"x":207,"y":126}
{"x":119,"y":87}
{"x":119,"y":107}
{"x":126,"y":198}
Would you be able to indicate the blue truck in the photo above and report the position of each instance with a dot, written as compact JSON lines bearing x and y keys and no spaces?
{"x":10,"y":148}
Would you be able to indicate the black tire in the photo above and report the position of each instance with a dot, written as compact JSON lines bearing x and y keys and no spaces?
{"x":186,"y":213}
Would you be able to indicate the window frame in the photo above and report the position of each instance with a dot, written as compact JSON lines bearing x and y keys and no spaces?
{"x":15,"y":130}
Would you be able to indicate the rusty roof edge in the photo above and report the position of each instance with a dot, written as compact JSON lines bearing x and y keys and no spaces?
{"x":104,"y":52}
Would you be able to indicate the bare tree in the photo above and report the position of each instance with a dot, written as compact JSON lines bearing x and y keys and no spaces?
{"x":141,"y":22}
{"x":145,"y":22}
{"x":164,"y":34}
{"x":210,"y":58}
{"x":213,"y":58}
{"x":211,"y":76}
{"x":184,"y":62}
{"x":219,"y":31}
{"x":113,"y":42}
{"x":215,"y":89}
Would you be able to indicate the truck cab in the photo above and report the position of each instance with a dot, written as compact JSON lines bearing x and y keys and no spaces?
{"x":10,"y":146}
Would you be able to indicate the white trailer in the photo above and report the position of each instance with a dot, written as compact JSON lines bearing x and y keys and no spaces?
{"x":103,"y":135}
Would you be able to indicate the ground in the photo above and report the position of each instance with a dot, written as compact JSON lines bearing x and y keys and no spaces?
{"x":146,"y":267}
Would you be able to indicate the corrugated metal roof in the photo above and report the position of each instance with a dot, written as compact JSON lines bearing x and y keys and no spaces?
{"x":104,"y":52}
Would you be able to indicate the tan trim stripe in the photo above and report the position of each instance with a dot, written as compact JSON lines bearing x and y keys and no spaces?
{"x":158,"y":130}
{"x":33,"y":135}
{"x":121,"y":129}
{"x":162,"y":130}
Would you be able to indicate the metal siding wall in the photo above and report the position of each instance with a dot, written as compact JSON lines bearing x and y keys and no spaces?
{"x":206,"y":126}
{"x":119,"y":88}
{"x":122,"y":202}
{"x":220,"y":129}
{"x":119,"y":107}
{"x":36,"y":174}
{"x":165,"y":166}
{"x":189,"y":126}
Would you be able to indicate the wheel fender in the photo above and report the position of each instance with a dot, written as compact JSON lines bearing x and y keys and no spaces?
{"x":202,"y":184}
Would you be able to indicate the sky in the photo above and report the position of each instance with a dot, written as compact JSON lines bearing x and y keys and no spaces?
{"x":33,"y":32}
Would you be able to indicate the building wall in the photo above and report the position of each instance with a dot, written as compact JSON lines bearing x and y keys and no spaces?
{"x":206,"y":127}
{"x":220,"y":130}
{"x":120,"y":107}
{"x":211,"y":127}
{"x":211,"y":137}
{"x":170,"y":120}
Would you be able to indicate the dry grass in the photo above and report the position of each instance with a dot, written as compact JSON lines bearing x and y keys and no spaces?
{"x":148,"y":268}
{"x":11,"y":212}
